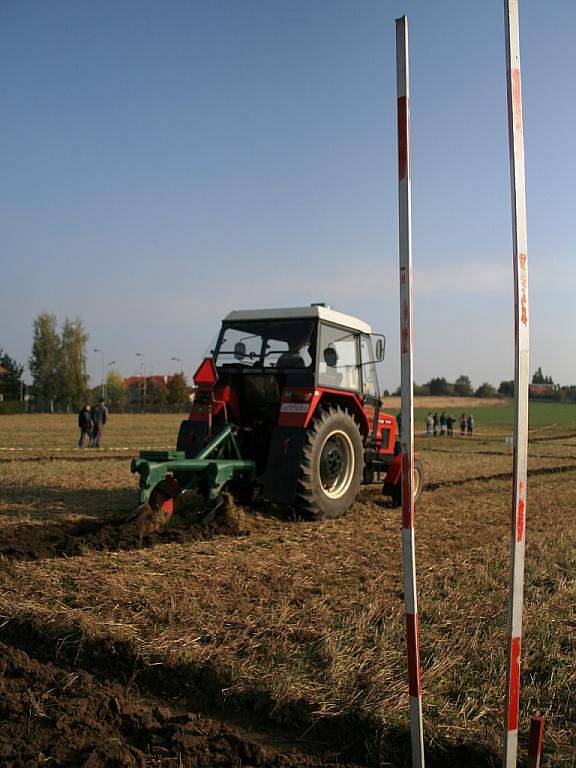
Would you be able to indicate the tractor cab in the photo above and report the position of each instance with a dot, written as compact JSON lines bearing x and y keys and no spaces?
{"x":279,"y":364}
{"x":307,"y":347}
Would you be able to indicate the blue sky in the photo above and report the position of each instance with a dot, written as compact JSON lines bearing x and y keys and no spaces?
{"x":163,"y":163}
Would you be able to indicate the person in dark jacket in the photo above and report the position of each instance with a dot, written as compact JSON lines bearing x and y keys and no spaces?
{"x":85,"y":425}
{"x":99,"y":419}
{"x":443,"y":424}
{"x":435,"y":422}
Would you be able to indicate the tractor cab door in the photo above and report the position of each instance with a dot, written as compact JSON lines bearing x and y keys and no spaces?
{"x":370,"y":390}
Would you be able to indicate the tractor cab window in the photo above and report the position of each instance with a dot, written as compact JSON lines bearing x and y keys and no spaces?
{"x":266,"y":344}
{"x":369,"y":374}
{"x":338,"y":359}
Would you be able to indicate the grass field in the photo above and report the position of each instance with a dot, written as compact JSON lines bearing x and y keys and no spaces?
{"x":540,"y":414}
{"x":265,"y":641}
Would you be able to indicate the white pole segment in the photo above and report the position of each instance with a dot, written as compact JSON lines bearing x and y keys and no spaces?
{"x":407,"y":390}
{"x":521,"y":375}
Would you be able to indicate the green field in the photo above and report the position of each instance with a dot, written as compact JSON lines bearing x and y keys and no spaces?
{"x":541,"y":414}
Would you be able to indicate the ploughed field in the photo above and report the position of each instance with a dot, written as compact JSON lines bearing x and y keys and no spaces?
{"x":263,"y":641}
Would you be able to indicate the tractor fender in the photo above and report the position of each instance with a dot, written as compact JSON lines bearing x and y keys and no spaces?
{"x":347,"y":400}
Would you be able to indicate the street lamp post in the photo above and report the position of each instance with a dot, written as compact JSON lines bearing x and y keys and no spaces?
{"x":142,"y":394}
{"x":105,"y":395}
{"x":22,"y":385}
{"x":102,"y":379}
{"x":177,"y":359}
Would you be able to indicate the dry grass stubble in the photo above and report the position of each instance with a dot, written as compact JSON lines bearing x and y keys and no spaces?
{"x":314,"y":613}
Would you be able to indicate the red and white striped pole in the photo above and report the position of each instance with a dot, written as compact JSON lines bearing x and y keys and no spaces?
{"x":407,"y":390}
{"x":535,"y":743}
{"x":521,"y":376}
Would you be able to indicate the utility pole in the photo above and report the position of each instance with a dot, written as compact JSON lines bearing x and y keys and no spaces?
{"x":143,"y":400}
{"x":102,"y":377}
{"x":105,"y":395}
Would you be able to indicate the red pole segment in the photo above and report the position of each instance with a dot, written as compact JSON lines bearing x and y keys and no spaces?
{"x":535,"y":745}
{"x":407,"y":390}
{"x":521,"y":376}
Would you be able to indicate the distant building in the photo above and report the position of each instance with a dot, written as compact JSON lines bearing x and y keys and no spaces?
{"x":157,"y":379}
{"x":540,"y":389}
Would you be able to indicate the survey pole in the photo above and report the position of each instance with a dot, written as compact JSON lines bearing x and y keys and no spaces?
{"x":521,"y":382}
{"x":407,"y":390}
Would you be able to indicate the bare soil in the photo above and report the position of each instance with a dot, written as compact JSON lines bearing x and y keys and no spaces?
{"x":58,"y":716}
{"x":27,"y":541}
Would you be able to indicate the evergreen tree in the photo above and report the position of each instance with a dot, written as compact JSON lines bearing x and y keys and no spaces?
{"x":10,"y":377}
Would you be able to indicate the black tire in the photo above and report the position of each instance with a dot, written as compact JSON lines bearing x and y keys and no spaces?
{"x":395,"y":491}
{"x":332,"y":465}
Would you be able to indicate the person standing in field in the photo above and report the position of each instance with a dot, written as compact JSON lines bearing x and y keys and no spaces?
{"x":450,"y":419}
{"x":99,"y":419}
{"x":470,"y":425}
{"x":85,"y":425}
{"x":443,"y":424}
{"x":463,"y":424}
{"x":435,"y":423}
{"x":429,"y":424}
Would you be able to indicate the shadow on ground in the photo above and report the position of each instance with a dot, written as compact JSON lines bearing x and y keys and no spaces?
{"x":251,"y":726}
{"x":42,"y":502}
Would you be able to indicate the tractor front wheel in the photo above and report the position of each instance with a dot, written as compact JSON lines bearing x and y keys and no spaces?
{"x":332,"y":465}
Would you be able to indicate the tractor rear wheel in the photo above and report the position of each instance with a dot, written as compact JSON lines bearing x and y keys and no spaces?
{"x":332,"y":465}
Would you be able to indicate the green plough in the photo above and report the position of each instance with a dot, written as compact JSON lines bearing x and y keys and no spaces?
{"x":167,"y":476}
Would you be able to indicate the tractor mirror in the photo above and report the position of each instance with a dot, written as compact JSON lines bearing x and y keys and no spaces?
{"x":380,"y":349}
{"x":239,"y":350}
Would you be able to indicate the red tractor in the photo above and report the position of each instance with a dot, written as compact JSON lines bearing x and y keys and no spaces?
{"x":287,"y":405}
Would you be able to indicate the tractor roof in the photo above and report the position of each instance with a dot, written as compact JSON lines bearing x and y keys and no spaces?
{"x":315,"y":310}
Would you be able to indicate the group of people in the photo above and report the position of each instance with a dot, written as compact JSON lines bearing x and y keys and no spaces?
{"x":91,"y":421}
{"x":443,"y":425}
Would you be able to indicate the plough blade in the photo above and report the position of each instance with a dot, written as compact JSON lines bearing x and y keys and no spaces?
{"x":166,"y":477}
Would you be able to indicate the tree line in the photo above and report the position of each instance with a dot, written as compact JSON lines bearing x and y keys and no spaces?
{"x":57,"y":364}
{"x":462,"y":387}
